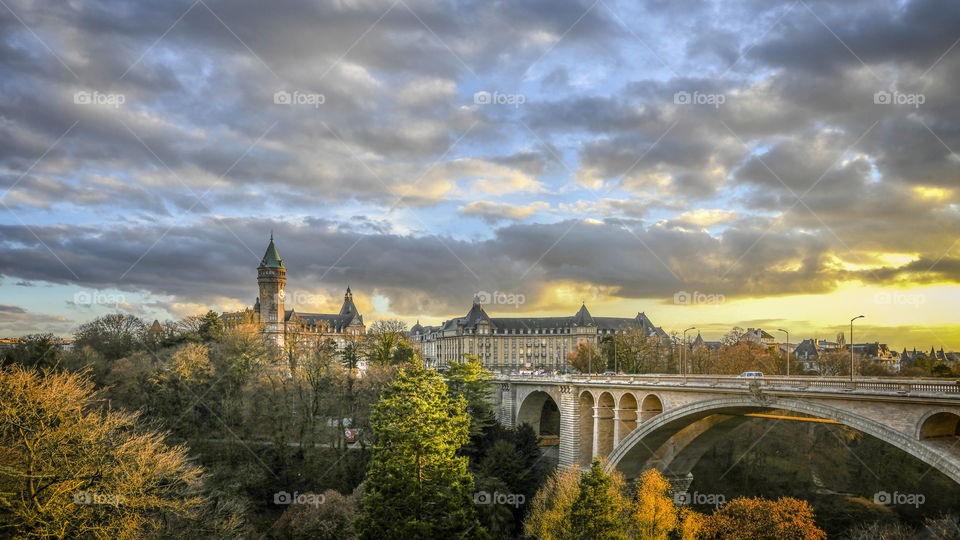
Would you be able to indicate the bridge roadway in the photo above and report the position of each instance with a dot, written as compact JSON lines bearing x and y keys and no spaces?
{"x":668,"y":421}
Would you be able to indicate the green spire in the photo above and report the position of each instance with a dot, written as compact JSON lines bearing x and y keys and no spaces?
{"x":271,"y":259}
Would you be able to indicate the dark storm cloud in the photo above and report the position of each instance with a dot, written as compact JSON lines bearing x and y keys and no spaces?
{"x":199,"y":115}
{"x":199,"y":98}
{"x":433,"y":274}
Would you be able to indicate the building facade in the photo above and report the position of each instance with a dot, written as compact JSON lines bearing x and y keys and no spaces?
{"x":515,"y":343}
{"x":281,"y":325}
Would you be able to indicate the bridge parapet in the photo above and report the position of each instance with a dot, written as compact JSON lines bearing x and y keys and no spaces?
{"x":889,"y":386}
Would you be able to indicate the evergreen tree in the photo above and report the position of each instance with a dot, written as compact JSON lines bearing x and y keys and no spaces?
{"x":470,"y":380}
{"x":596,"y":511}
{"x":416,"y":485}
{"x":211,"y":327}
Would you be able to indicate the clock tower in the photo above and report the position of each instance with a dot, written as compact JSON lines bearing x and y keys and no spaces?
{"x":272,"y":278}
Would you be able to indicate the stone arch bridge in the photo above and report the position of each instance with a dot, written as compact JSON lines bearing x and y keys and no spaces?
{"x":669,"y":421}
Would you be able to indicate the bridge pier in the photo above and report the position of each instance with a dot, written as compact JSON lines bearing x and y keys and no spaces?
{"x":680,"y":485}
{"x":616,"y":425}
{"x":505,"y":412}
{"x":569,"y":426}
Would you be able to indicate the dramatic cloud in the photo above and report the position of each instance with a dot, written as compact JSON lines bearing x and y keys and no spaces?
{"x":422,"y":151}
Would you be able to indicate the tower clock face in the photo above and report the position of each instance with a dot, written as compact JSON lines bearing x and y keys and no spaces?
{"x":280,"y":294}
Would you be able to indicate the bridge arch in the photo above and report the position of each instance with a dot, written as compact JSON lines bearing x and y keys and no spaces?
{"x":651,"y":406}
{"x":662,"y":440}
{"x":939,"y":424}
{"x":541,"y":411}
{"x":604,"y":414}
{"x":628,"y":415}
{"x":585,"y":450}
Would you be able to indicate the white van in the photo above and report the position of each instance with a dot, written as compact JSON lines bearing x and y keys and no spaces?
{"x":750,"y":375}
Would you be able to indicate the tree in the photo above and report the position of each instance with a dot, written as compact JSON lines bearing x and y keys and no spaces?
{"x":211,"y":327}
{"x":584,"y":357}
{"x":114,"y":336}
{"x":761,"y":519}
{"x":596,"y":511}
{"x":652,"y":511}
{"x":745,"y":356}
{"x":403,"y":353}
{"x":35,"y":350}
{"x":470,"y":380}
{"x":635,"y":351}
{"x":653,"y":515}
{"x":733,"y":337}
{"x":70,"y":468}
{"x":382,"y":340}
{"x":416,"y":485}
{"x":191,"y":363}
{"x":333,"y":519}
{"x":549,"y":514}
{"x":350,"y":355}
{"x":833,"y":363}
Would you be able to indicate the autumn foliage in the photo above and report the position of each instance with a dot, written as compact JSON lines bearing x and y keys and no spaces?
{"x":762,"y":519}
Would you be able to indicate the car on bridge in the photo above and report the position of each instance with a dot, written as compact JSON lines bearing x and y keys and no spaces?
{"x":750,"y":375}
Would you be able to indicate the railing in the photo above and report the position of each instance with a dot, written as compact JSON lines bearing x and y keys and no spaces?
{"x":944,"y":386}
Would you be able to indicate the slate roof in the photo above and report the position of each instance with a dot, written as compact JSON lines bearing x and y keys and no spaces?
{"x":271,"y":259}
{"x":526,"y":324}
{"x":348,"y":316}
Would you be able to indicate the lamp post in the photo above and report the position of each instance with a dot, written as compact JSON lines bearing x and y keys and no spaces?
{"x":788,"y":348}
{"x":683,"y":363}
{"x":851,"y":344}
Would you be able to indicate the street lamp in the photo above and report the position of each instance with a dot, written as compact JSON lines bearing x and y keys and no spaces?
{"x":851,"y":344}
{"x":788,"y":348}
{"x":683,"y":364}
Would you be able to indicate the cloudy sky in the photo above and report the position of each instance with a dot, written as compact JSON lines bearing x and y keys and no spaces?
{"x":758,"y":163}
